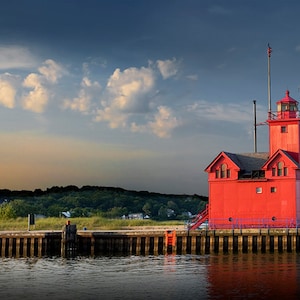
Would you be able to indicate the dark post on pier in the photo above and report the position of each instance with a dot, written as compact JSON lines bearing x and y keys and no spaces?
{"x":69,"y":241}
{"x":31,"y":220}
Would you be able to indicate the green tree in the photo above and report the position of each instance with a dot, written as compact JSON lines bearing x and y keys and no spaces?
{"x":7,"y":211}
{"x":162,"y":213}
{"x":55,"y":210}
{"x":172,"y":205}
{"x":147,"y":208}
{"x":22,"y":208}
{"x":116,"y":212}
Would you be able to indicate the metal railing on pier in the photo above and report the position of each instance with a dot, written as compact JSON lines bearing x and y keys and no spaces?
{"x":242,"y":223}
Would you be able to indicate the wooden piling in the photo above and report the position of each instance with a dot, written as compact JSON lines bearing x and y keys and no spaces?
{"x":194,"y":244}
{"x":94,"y":243}
{"x":4,"y":240}
{"x":69,"y":241}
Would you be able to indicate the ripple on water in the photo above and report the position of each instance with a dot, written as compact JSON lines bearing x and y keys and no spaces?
{"x":151,"y":277}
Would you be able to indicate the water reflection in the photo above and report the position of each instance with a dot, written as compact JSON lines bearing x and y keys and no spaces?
{"x":244,"y":276}
{"x":254,"y":276}
{"x":132,"y":277}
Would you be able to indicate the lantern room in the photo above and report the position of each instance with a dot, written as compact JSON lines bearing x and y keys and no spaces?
{"x":287,"y":107}
{"x":284,"y":127}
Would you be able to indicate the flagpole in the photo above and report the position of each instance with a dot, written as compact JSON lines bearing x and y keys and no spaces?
{"x":269,"y":81}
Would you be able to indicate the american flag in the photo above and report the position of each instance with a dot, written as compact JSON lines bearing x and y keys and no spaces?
{"x":269,"y":51}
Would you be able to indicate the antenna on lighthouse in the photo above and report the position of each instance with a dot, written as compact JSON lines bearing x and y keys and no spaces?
{"x":255,"y":126}
{"x":269,"y":51}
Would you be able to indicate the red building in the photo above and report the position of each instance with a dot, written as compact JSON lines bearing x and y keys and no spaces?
{"x":259,"y":189}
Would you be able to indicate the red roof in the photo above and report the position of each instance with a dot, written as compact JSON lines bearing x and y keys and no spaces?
{"x":287,"y":98}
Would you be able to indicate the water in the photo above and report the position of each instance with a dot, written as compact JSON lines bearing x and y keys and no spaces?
{"x":240,"y":276}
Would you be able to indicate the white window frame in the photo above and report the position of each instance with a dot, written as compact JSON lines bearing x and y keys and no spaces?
{"x":259,"y":190}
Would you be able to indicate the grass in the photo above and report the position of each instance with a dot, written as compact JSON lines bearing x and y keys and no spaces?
{"x":91,"y":223}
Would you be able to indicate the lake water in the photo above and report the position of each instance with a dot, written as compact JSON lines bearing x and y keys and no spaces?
{"x":238,"y":276}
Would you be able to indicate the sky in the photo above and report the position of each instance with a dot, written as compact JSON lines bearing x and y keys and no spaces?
{"x":138,"y":94}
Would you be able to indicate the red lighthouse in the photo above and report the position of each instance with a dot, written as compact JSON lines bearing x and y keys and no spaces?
{"x":259,"y":189}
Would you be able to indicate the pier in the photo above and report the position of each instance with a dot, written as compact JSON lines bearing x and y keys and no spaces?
{"x":71,"y":242}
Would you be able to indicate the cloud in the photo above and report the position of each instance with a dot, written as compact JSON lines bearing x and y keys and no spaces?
{"x":192,"y":77}
{"x":113,"y":117}
{"x":164,"y":122}
{"x":229,"y":112}
{"x":7,"y":94}
{"x":127,"y":94}
{"x":37,"y":99}
{"x":130,"y":100}
{"x":16,"y":57}
{"x":51,"y":70}
{"x":82,"y":102}
{"x":167,"y":68}
{"x":8,"y":90}
{"x":128,"y":87}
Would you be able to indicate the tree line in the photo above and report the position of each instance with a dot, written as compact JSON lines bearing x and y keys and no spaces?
{"x":110,"y":202}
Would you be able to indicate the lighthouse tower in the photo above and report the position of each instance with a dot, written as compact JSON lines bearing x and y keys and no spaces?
{"x":284,"y":128}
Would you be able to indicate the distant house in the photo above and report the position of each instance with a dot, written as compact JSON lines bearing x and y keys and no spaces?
{"x":260,"y":189}
{"x":170,"y":212}
{"x":136,"y":216}
{"x":66,"y":214}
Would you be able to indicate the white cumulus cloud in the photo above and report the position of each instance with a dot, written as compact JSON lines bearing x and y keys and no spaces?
{"x":7,"y":94}
{"x":127,"y":94}
{"x":128,"y":87}
{"x":51,"y":70}
{"x":115,"y":118}
{"x":131,"y":100}
{"x":8,"y":90}
{"x":82,"y":102}
{"x":164,"y":122}
{"x":168,"y":68}
{"x":162,"y":125}
{"x":37,"y":98}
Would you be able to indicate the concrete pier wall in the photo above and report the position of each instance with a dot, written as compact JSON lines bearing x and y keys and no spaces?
{"x":151,"y":242}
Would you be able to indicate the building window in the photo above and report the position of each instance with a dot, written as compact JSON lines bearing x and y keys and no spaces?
{"x":293,"y":107}
{"x":273,"y":189}
{"x":283,"y":129}
{"x":258,"y":190}
{"x":280,"y":169}
{"x":228,"y":173}
{"x":223,"y":172}
{"x":273,"y":171}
